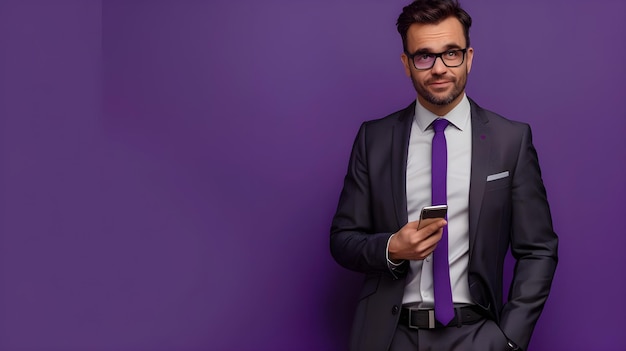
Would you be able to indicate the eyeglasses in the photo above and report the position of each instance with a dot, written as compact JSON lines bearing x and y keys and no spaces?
{"x":450,"y":58}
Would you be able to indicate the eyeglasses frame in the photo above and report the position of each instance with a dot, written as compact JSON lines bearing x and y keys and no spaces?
{"x":437,"y":55}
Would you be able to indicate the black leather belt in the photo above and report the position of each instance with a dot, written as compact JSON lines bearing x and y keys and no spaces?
{"x":425,"y":319}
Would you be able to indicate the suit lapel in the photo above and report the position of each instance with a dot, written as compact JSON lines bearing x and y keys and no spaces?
{"x":399,"y":153}
{"x":481,"y":154}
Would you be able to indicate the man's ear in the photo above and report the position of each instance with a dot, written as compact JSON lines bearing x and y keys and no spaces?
{"x":405,"y":62}
{"x":469,"y":58}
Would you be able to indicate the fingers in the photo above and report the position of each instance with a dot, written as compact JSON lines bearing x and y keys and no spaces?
{"x":429,"y":221}
{"x":412,"y":225}
{"x":426,"y":246}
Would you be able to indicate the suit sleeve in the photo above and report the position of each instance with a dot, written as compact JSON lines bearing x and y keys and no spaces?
{"x":353,"y":242}
{"x":533,"y":245}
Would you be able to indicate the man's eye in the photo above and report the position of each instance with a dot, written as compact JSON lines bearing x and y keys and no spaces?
{"x":452,"y":53}
{"x":424,"y":57}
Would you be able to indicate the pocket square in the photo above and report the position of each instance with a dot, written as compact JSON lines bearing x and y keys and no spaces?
{"x":497,"y":176}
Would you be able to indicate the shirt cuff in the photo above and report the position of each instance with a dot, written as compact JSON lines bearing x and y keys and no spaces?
{"x":393,"y":267}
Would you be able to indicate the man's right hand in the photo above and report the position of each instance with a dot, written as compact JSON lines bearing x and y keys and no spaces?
{"x":416,"y":240}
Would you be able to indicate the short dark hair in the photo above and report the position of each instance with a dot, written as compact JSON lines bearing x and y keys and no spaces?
{"x":432,"y":12}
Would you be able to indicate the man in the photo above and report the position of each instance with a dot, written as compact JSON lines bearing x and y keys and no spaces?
{"x":495,"y":196}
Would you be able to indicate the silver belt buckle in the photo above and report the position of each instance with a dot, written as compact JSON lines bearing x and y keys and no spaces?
{"x":431,"y":319}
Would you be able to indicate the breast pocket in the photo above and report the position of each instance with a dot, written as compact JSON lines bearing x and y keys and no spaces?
{"x":498,"y":181}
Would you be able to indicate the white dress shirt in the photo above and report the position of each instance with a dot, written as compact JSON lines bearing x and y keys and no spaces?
{"x":419,"y":283}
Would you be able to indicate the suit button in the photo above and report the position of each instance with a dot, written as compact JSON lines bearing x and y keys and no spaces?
{"x":395,"y":309}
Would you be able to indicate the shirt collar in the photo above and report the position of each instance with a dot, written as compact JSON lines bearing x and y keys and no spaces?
{"x":459,"y":116}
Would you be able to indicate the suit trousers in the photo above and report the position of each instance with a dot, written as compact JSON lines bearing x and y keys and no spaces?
{"x":484,"y":335}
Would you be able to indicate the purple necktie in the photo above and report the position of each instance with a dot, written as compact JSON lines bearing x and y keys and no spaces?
{"x":444,"y":309}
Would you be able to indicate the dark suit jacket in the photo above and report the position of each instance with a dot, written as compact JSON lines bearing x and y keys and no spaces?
{"x":508,"y":212}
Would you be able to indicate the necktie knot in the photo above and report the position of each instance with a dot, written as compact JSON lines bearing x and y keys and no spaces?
{"x":440,"y":124}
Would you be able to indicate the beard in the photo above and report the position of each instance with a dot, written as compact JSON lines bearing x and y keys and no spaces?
{"x":440,"y":100}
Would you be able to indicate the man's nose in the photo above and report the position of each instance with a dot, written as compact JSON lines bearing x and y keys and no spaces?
{"x":439,"y":67}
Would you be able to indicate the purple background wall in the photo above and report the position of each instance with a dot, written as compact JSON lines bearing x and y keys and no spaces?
{"x":169,"y":169}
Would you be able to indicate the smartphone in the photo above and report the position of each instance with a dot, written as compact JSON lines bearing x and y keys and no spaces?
{"x":438,"y":211}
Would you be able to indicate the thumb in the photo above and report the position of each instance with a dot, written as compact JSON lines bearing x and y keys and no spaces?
{"x":413,"y":225}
